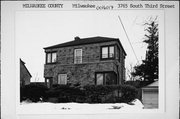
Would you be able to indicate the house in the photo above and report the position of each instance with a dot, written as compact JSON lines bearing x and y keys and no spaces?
{"x":83,"y":61}
{"x":150,"y":95}
{"x":25,"y":75}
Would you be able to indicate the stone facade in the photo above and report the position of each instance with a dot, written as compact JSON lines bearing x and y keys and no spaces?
{"x":84,"y":73}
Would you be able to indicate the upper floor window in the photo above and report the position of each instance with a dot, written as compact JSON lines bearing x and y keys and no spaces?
{"x":78,"y":56}
{"x":51,"y":57}
{"x":107,"y":52}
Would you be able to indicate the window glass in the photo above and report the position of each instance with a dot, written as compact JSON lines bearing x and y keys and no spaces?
{"x":54,"y":57}
{"x":99,"y":78}
{"x":48,"y":57}
{"x":106,"y":78}
{"x":78,"y":52}
{"x":111,"y":51}
{"x":105,"y":52}
{"x":110,"y":78}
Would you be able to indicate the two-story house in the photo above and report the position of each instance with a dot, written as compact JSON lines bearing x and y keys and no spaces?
{"x":85,"y":61}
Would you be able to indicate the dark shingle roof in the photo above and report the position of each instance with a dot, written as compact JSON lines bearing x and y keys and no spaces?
{"x":23,"y":63}
{"x":82,"y":41}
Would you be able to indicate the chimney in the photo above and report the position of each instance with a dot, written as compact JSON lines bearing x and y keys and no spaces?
{"x":76,"y":38}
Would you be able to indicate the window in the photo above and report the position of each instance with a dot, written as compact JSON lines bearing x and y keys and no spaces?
{"x":106,"y":78}
{"x":107,"y":52}
{"x":78,"y":56}
{"x":111,"y":51}
{"x":99,"y":78}
{"x":62,"y":79}
{"x":51,"y":57}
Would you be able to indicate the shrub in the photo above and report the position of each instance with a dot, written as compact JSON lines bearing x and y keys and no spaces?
{"x":33,"y":92}
{"x":87,"y":94}
{"x":66,"y":93}
{"x":129,"y":93}
{"x":97,"y":93}
{"x":107,"y":93}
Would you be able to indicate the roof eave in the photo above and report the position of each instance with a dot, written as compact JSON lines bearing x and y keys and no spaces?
{"x":115,"y":39}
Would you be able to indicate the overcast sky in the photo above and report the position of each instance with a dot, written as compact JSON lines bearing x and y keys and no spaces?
{"x":38,"y":29}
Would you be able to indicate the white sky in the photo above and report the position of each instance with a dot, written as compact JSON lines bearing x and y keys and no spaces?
{"x":38,"y":29}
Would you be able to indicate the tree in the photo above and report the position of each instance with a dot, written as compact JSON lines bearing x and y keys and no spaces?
{"x":148,"y":70}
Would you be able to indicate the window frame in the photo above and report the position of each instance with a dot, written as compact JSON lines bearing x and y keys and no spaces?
{"x":101,"y":51}
{"x":76,"y":56}
{"x":51,"y":57}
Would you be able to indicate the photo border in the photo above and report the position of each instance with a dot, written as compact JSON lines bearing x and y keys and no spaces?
{"x":15,"y":7}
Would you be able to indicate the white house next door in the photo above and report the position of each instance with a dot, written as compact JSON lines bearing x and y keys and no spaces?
{"x":62,"y":79}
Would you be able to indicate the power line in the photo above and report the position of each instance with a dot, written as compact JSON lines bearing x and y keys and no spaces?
{"x":128,"y":38}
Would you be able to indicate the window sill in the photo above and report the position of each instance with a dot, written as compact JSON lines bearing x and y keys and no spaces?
{"x":51,"y":63}
{"x":113,"y":58}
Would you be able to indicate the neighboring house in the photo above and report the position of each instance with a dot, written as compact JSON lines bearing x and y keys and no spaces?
{"x":150,"y":95}
{"x":25,"y":75}
{"x":93,"y":61}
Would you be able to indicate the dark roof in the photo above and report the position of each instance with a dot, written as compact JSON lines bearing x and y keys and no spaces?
{"x":82,"y":41}
{"x":23,"y":63}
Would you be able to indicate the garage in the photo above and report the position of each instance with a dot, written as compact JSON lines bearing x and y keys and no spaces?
{"x":150,"y":96}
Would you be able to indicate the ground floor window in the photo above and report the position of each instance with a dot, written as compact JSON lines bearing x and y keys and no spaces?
{"x":62,"y":79}
{"x":106,"y":78}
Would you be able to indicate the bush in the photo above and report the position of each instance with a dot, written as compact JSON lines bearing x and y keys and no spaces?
{"x":33,"y":92}
{"x":110,"y":93}
{"x":87,"y":94}
{"x":66,"y":93}
{"x":97,"y":93}
{"x":129,"y":93}
{"x":94,"y":93}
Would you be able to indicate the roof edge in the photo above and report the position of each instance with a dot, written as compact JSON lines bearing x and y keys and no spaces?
{"x":113,"y":39}
{"x":25,"y":66}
